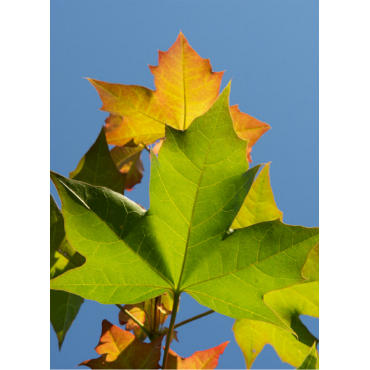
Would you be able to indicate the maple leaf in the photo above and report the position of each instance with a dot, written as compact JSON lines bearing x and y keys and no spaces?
{"x":183,"y":243}
{"x":207,"y":359}
{"x":97,"y":167}
{"x":259,"y":206}
{"x":186,"y":88}
{"x":288,"y":303}
{"x":64,"y":306}
{"x":121,"y":350}
{"x":312,"y":359}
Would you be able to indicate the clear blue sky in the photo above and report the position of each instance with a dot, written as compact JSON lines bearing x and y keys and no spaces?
{"x":270,"y":49}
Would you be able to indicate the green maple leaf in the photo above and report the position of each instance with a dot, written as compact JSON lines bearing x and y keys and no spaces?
{"x":288,"y":303}
{"x":64,"y":306}
{"x":183,"y":243}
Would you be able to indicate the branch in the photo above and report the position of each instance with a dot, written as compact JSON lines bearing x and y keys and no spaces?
{"x":170,"y":329}
{"x":193,"y":318}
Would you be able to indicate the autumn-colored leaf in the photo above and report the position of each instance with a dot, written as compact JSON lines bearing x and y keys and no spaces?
{"x":288,"y":303}
{"x":247,"y":127}
{"x":185,"y":83}
{"x":207,"y":359}
{"x":138,"y":312}
{"x":145,"y":313}
{"x":186,"y":88}
{"x":64,"y":306}
{"x":112,"y":122}
{"x":259,"y":206}
{"x":128,"y":161}
{"x":97,"y":167}
{"x":121,"y":350}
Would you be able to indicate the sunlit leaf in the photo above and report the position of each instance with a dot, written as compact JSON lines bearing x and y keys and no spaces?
{"x":121,"y":350}
{"x":64,"y":306}
{"x":186,"y":88}
{"x":259,"y":206}
{"x":207,"y":359}
{"x":288,"y":303}
{"x":97,"y":167}
{"x":183,"y":242}
{"x":312,"y":359}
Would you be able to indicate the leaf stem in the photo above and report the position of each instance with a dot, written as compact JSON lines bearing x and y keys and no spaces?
{"x":143,"y":328}
{"x":170,"y":329}
{"x":193,"y":318}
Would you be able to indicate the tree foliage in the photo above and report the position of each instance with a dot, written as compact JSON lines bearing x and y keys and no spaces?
{"x":213,"y":229}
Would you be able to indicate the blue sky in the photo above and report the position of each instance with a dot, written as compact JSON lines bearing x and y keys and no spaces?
{"x":270,"y":51}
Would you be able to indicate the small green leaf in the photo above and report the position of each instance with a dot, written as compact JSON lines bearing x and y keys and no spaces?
{"x":64,"y":306}
{"x":183,"y":242}
{"x":97,"y":167}
{"x":312,"y":359}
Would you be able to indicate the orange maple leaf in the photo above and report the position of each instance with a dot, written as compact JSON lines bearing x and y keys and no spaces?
{"x":207,"y":359}
{"x":186,"y":88}
{"x":121,"y":350}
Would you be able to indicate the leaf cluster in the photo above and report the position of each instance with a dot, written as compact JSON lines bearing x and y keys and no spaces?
{"x":213,"y":229}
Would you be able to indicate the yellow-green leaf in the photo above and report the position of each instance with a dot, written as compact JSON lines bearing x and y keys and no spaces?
{"x":288,"y":303}
{"x":259,"y":206}
{"x":312,"y":359}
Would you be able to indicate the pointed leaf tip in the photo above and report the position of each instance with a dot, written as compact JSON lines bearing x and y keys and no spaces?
{"x":207,"y":359}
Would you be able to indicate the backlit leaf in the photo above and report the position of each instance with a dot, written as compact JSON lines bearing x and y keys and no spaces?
{"x":207,"y":359}
{"x":288,"y":303}
{"x":312,"y":359}
{"x":64,"y":306}
{"x":186,"y":88}
{"x":259,"y":206}
{"x":121,"y":350}
{"x":97,"y":168}
{"x":183,"y":243}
